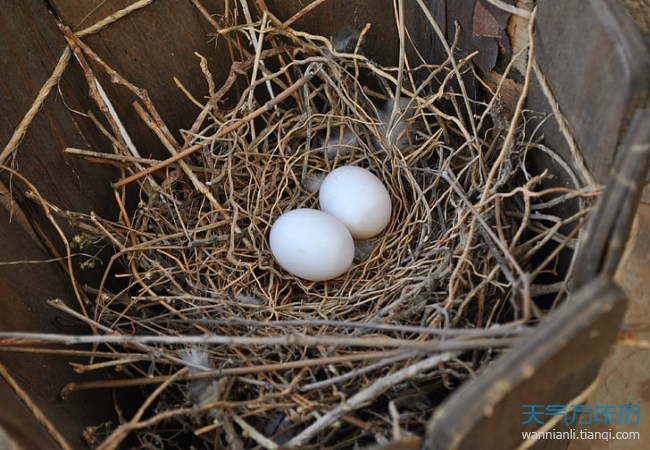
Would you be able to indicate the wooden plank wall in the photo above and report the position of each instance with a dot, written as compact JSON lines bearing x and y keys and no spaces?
{"x":596,"y":61}
{"x":30,"y":45}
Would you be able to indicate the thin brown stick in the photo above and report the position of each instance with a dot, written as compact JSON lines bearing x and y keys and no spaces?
{"x":256,"y":435}
{"x":117,"y":15}
{"x":76,"y":43}
{"x":118,"y":160}
{"x":302,"y":12}
{"x":512,"y":9}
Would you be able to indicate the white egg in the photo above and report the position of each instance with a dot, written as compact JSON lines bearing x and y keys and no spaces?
{"x":358,"y":199}
{"x":311,"y":244}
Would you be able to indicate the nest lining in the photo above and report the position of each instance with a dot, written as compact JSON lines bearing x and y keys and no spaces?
{"x":329,"y":363}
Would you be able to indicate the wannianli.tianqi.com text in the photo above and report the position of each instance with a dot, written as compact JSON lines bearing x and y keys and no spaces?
{"x":573,"y":434}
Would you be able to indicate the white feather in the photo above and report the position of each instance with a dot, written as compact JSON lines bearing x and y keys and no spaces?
{"x":311,"y":183}
{"x":201,"y":392}
{"x":342,"y":145}
{"x":396,"y":133}
{"x":196,"y":359}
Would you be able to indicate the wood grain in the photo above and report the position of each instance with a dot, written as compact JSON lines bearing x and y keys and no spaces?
{"x":598,"y":67}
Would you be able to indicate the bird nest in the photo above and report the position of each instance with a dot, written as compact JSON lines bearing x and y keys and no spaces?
{"x":243,"y":353}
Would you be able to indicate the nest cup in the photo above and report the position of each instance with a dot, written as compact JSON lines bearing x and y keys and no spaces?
{"x":256,"y":179}
{"x":468,"y":236}
{"x":482,"y":245}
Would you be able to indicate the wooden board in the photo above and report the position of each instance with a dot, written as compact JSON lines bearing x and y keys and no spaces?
{"x":150,"y":47}
{"x":30,"y":45}
{"x":598,"y":67}
{"x":381,"y":42}
{"x":550,"y":367}
{"x":25,"y":288}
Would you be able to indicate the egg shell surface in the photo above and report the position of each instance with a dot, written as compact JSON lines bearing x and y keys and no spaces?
{"x":311,"y":244}
{"x":358,"y":199}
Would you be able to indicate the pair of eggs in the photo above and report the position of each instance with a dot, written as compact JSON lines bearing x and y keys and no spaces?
{"x":318,"y":245}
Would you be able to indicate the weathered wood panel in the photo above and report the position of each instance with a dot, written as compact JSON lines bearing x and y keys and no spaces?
{"x":24,"y":290}
{"x":550,"y":366}
{"x":150,"y":47}
{"x":381,"y":42}
{"x":30,"y":45}
{"x":18,"y":427}
{"x":598,"y":67}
